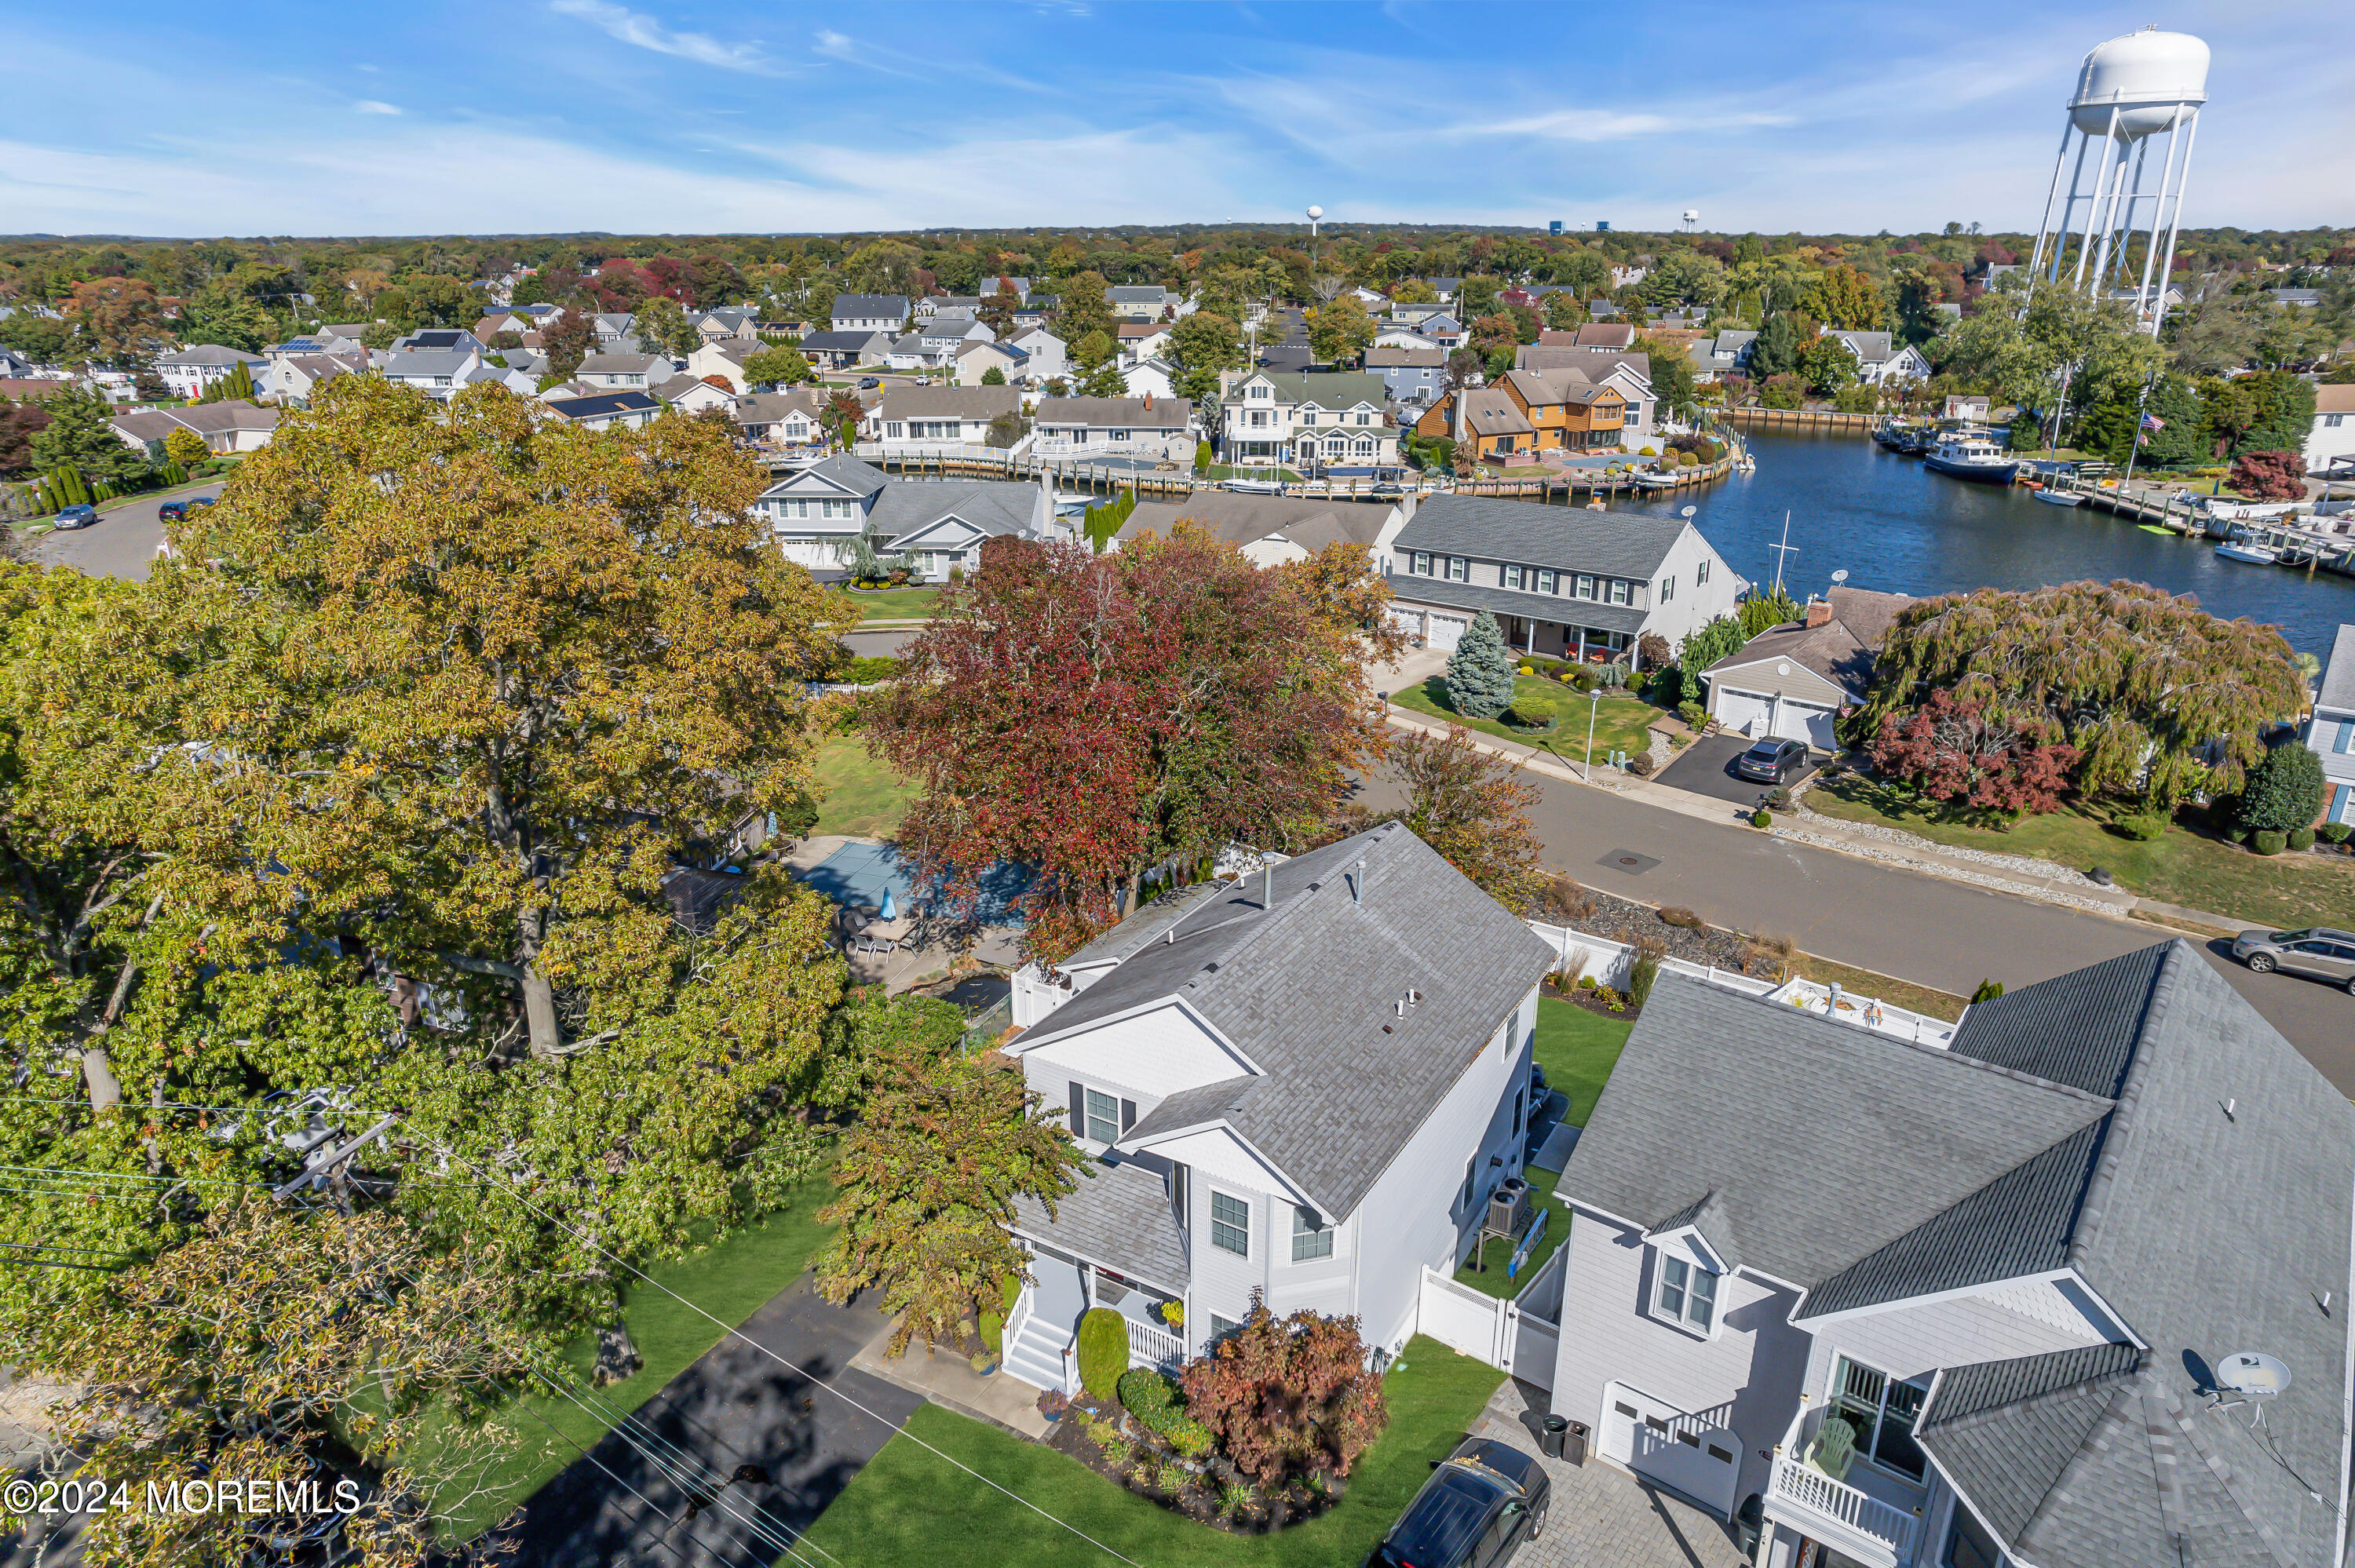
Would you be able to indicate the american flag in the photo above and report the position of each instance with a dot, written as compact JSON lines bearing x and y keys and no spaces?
{"x":2153,"y":422}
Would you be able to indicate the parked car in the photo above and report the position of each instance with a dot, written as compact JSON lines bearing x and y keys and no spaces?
{"x":171,"y":511}
{"x":2317,"y":951}
{"x":77,"y":516}
{"x":1480,"y":1505}
{"x":1773,"y":761}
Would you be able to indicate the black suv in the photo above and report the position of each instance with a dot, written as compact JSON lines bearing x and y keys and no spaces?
{"x":1480,"y":1504}
{"x":1773,"y":761}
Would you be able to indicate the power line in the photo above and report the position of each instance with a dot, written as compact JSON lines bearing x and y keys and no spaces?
{"x":625,"y":1486}
{"x":791,"y":1366}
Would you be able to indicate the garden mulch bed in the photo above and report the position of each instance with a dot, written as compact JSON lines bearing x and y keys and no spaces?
{"x":1198,"y":1489}
{"x":1616,"y":917}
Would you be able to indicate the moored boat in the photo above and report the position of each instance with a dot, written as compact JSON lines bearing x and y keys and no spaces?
{"x":1971,"y":456}
{"x":2242,"y":550}
{"x":2051,"y":497}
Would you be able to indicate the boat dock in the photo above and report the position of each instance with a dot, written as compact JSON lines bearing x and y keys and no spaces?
{"x":2303,"y":542}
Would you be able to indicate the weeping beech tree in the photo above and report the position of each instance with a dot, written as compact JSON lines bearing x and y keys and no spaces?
{"x":2161,"y":699}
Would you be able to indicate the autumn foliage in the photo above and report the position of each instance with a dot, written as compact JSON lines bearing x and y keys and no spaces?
{"x":2270,"y":476}
{"x":1288,"y":1397}
{"x":1954,"y":751}
{"x":1092,"y":717}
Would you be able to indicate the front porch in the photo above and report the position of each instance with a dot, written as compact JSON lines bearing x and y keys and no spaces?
{"x":1563,"y":640}
{"x":1115,"y":1242}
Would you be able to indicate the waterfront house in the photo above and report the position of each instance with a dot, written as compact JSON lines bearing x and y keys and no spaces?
{"x":2331,"y":731}
{"x":1300,"y":1086}
{"x":1626,"y":372}
{"x":1413,"y":371}
{"x":817,"y":513}
{"x":935,"y":419}
{"x":2330,"y":443}
{"x":1727,"y":354}
{"x":1879,"y":359}
{"x":870,"y":312}
{"x":1147,"y":427}
{"x":691,"y":394}
{"x":1976,"y":1302}
{"x":1270,"y":529}
{"x":1048,"y":359}
{"x":1481,"y":421}
{"x":189,"y":371}
{"x":1796,"y":680}
{"x":1567,"y":411}
{"x":1562,"y":581}
{"x":781,"y":418}
{"x":1337,"y":419}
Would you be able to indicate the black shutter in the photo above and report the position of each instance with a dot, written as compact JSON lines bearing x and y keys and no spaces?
{"x":1078,"y":1109}
{"x":1178,"y":1177}
{"x":1127,"y":1114}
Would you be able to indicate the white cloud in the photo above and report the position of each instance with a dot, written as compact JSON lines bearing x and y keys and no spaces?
{"x":644,"y":32}
{"x":371,"y":106}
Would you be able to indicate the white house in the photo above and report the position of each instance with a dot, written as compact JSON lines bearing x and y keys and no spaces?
{"x":606,"y":410}
{"x":1155,"y":379}
{"x":692,"y":394}
{"x":818,"y":513}
{"x":1141,"y":341}
{"x":189,"y":371}
{"x":1564,"y":582}
{"x":1879,"y":359}
{"x":626,"y":371}
{"x":933,"y":343}
{"x":1301,"y":1085}
{"x":870,"y":312}
{"x":724,"y":357}
{"x":2331,"y":731}
{"x":788,"y":419}
{"x":1337,"y":419}
{"x":1980,"y":1302}
{"x":977,"y":359}
{"x":1157,"y":427}
{"x":935,"y":419}
{"x":1795,"y":680}
{"x":1049,"y":357}
{"x":437,"y":372}
{"x":2331,"y":442}
{"x":1269,"y":530}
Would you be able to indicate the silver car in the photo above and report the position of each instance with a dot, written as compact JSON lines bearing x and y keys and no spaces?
{"x":2319,"y":952}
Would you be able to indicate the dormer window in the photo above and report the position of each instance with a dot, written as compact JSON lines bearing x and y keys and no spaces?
{"x":1687,"y":1293}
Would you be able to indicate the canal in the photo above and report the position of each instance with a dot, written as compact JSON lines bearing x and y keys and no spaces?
{"x":1894,"y":525}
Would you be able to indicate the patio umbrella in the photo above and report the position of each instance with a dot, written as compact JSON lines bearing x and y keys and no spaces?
{"x":890,"y":910}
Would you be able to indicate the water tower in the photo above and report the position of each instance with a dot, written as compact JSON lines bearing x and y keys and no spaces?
{"x":1692,"y":220}
{"x":2128,"y":91}
{"x":1316,"y":216}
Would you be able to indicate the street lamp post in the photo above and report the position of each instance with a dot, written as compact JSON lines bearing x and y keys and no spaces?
{"x":1594,"y":706}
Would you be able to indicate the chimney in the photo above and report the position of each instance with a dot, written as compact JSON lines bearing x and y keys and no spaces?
{"x":1819,"y":612}
{"x":1148,"y":402}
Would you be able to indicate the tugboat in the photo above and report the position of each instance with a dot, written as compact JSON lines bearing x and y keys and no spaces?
{"x":1970,"y":455}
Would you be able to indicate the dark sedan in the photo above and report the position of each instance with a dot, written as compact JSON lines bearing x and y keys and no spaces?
{"x":171,"y":511}
{"x":1773,"y":761}
{"x":1480,"y":1505}
{"x":77,"y":516}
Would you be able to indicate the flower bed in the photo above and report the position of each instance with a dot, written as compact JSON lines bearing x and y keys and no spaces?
{"x":1118,"y":1446}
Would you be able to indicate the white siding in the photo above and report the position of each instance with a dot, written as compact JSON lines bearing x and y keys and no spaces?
{"x":1909,"y":1341}
{"x":1152,"y":1055}
{"x":1696,"y":603}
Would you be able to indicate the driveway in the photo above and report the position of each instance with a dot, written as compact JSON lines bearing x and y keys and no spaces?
{"x":736,"y":1456}
{"x":122,"y":541}
{"x":1706,"y":767}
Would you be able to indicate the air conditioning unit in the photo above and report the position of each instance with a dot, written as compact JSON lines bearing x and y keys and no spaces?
{"x":1508,"y":1207}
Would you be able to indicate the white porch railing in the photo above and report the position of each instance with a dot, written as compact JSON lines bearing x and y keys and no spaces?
{"x":1861,"y":1525}
{"x":1152,"y":1347}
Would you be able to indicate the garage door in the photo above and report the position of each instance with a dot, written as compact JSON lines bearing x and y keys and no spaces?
{"x":1744,"y":713}
{"x":1662,"y":1444}
{"x":1806,"y":721}
{"x":1446,"y":630}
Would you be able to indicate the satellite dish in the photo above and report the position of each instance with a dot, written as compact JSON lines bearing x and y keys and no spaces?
{"x":1315,"y":212}
{"x":2253,"y":1374}
{"x":1840,"y":575}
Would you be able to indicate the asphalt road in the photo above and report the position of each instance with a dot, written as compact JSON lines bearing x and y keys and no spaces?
{"x":122,"y":541}
{"x":1881,"y":917}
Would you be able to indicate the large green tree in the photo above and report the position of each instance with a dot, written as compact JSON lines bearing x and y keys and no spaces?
{"x":79,"y":436}
{"x":1204,"y":343}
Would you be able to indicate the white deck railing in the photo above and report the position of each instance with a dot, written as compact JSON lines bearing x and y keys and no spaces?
{"x":1152,"y":1347}
{"x":1864,"y":1521}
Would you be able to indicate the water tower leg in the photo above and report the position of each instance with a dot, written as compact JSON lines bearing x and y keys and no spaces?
{"x":2145,"y":306}
{"x":2094,"y":215}
{"x":2175,"y":219}
{"x":2126,"y":219}
{"x":2069,"y":211}
{"x":2114,"y":173}
{"x":2044,"y":224}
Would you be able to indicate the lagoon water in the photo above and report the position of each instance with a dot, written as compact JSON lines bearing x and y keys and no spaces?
{"x":1896,"y":527}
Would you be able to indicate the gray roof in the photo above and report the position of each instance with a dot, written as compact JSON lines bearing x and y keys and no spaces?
{"x":858,"y":338}
{"x":210,"y":353}
{"x":994,"y":506}
{"x":841,"y":471}
{"x":1869,"y":345}
{"x":1111,"y":413}
{"x":1239,"y":519}
{"x":1596,"y":363}
{"x":1121,"y":1219}
{"x":644,"y":363}
{"x":1385,"y":357}
{"x":868,"y":307}
{"x":902,"y":402}
{"x":428,"y":362}
{"x":1147,"y":925}
{"x":1831,"y":651}
{"x":1327,"y":389}
{"x":2078,"y":1123}
{"x":1128,"y":294}
{"x":1305,"y":989}
{"x":2339,"y":675}
{"x":1487,"y":527}
{"x":768,"y":407}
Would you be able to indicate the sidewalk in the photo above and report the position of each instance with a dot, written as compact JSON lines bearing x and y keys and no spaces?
{"x":2015,"y":874}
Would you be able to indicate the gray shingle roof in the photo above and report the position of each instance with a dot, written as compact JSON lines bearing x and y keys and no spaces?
{"x":2078,"y":1028}
{"x":2338,"y":675}
{"x":1111,"y":413}
{"x":1831,"y":650}
{"x":2008,"y":1430}
{"x":994,"y":507}
{"x":1121,"y":1219}
{"x":428,"y":362}
{"x":870,"y":307}
{"x":1328,"y":388}
{"x":1305,"y":990}
{"x":858,"y":338}
{"x":842,"y":471}
{"x":1244,"y":519}
{"x":210,"y":353}
{"x":611,"y":364}
{"x":948,"y":402}
{"x":1612,"y":544}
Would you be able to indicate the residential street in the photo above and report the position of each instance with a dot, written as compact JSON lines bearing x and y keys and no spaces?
{"x":734,"y":1407}
{"x":122,"y":543}
{"x":1880,"y":917}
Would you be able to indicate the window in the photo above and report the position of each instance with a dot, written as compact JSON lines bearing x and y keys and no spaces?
{"x":1421,"y":569}
{"x":1668,"y":589}
{"x":1585,"y":586}
{"x":1366,"y":418}
{"x":1104,"y":1117}
{"x":1310,"y":1239}
{"x":1230,"y":1225}
{"x":1701,"y":572}
{"x":1459,"y":570}
{"x":1619,"y":592}
{"x":1967,"y":1545}
{"x":1259,"y":391}
{"x":1548,"y":582}
{"x":1688,"y":1292}
{"x":1365,"y":448}
{"x":894,"y":429}
{"x":2332,"y":421}
{"x":2346,"y":736}
{"x":1471,"y":1175}
{"x":1221,"y":1328}
{"x":1517,"y":1095}
{"x":1512,"y":576}
{"x":1882,"y":1409}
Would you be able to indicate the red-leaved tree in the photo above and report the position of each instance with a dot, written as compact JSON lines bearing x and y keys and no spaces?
{"x":1955,"y":751}
{"x":1287,"y":1396}
{"x":2270,"y":476}
{"x":1093,"y":717}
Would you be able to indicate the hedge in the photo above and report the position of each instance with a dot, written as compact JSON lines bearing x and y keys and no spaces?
{"x":1104,"y":1351}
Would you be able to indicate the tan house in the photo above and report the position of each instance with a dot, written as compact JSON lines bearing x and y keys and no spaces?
{"x":230,"y":426}
{"x":1796,"y":680}
{"x":1486,"y":420}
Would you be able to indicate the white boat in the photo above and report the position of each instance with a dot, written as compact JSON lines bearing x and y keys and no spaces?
{"x":1254,"y":486}
{"x":2060,"y":497}
{"x":1970,"y":455}
{"x":2241,"y":550}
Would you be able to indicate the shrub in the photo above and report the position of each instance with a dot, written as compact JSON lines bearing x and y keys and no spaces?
{"x":1527,"y":718}
{"x":1778,"y":799}
{"x":2268,"y":840}
{"x":1762,"y":818}
{"x":1585,"y":681}
{"x":1640,"y":765}
{"x":1640,"y":976}
{"x":1677,"y":915}
{"x":1565,"y":899}
{"x":1586,"y":982}
{"x":1154,"y":1399}
{"x":992,"y":1332}
{"x":869,"y":670}
{"x":1104,"y":1351}
{"x":2301,"y":837}
{"x":1289,"y":1394}
{"x":2284,"y":790}
{"x":2334,"y":832}
{"x":1987,"y":991}
{"x":2238,"y":834}
{"x":1692,"y":713}
{"x":1526,"y":670}
{"x":1480,"y":671}
{"x":2143,"y":827}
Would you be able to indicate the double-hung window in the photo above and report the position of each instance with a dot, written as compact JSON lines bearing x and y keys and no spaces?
{"x":1548,"y":582}
{"x":1512,"y":577}
{"x":1104,"y":1117}
{"x":1668,"y":589}
{"x":1459,"y":570}
{"x":1701,"y":572}
{"x":1230,"y":1224}
{"x":1422,"y":566}
{"x":1585,"y":586}
{"x":1688,"y":1292}
{"x":1311,"y":1238}
{"x":1619,"y":591}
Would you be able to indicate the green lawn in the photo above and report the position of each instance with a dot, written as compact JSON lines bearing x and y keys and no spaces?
{"x":1577,"y":1049}
{"x":898,"y":604}
{"x":2177,"y":867}
{"x":910,"y":1507}
{"x":1620,"y":722}
{"x":1494,"y":1281}
{"x":862,"y":796}
{"x":730,"y":1281}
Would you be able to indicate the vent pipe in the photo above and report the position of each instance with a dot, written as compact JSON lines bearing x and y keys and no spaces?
{"x":1357,"y":884}
{"x":1267,"y":884}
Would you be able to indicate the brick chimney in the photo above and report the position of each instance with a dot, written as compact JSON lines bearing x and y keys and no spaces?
{"x":1819,"y":612}
{"x":1148,"y":402}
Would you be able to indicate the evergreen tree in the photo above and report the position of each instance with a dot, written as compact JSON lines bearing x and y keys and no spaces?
{"x":1480,"y":671}
{"x":79,"y":437}
{"x":1776,"y":351}
{"x":2285,"y":415}
{"x":2283,"y":793}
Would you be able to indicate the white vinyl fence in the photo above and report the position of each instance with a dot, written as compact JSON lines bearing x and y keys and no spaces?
{"x":1608,"y":962}
{"x":1508,"y":1336}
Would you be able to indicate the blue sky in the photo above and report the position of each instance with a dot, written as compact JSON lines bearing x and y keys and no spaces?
{"x":642,"y":116}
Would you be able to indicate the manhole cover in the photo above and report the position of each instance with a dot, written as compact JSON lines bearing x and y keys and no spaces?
{"x":1629,"y":862}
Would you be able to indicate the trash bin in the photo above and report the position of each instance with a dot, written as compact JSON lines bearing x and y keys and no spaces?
{"x":1549,"y":1437}
{"x":1574,"y":1447}
{"x":1748,"y":1525}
